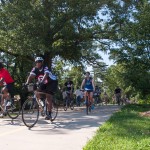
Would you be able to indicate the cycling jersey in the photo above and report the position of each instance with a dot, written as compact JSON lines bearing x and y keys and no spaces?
{"x":68,"y":85}
{"x":39,"y":73}
{"x":88,"y":84}
{"x":50,"y":84}
{"x":6,"y":75}
{"x":117,"y":90}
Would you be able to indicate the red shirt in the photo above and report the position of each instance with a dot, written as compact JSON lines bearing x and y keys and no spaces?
{"x":6,"y":75}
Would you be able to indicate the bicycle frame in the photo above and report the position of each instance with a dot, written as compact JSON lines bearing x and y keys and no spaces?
{"x":88,"y":102}
{"x":12,"y":112}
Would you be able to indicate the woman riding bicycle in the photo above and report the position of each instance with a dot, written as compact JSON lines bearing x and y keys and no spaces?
{"x":8,"y":85}
{"x":88,"y":84}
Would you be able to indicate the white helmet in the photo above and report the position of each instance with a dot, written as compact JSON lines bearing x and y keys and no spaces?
{"x":39,"y":59}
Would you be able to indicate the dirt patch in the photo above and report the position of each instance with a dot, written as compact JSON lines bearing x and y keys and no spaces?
{"x":145,"y":114}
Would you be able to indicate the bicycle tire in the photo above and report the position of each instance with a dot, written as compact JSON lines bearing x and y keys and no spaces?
{"x":87,"y":107}
{"x":14,"y":111}
{"x":66,"y":105}
{"x":30,"y":112}
{"x":54,"y":109}
{"x":71,"y":105}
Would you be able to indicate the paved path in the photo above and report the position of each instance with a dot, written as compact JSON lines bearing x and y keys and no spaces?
{"x":70,"y":131}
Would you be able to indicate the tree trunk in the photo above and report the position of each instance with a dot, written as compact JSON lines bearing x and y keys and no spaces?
{"x":48,"y":59}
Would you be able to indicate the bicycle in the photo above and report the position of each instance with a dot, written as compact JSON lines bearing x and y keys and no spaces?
{"x":68,"y":103}
{"x":88,"y":102}
{"x":118,"y":98}
{"x":96,"y":100}
{"x":32,"y":106}
{"x":14,"y":107}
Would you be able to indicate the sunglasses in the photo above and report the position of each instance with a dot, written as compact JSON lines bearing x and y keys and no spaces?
{"x":38,"y":62}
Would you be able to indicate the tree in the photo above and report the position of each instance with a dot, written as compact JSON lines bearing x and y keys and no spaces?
{"x":129,"y":40}
{"x":50,"y":28}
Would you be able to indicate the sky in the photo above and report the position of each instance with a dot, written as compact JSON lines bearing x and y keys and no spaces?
{"x":105,"y":60}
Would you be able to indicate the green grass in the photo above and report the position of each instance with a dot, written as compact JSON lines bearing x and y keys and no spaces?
{"x":125,"y":130}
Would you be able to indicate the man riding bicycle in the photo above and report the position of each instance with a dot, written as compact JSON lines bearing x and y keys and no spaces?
{"x":88,"y":84}
{"x":43,"y":75}
{"x":117,"y":93}
{"x":69,"y":87}
{"x":8,"y":85}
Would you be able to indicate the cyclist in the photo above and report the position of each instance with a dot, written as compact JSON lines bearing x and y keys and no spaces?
{"x":69,"y":87}
{"x":97,"y":93}
{"x":78,"y":94}
{"x":8,"y":85}
{"x":43,"y":75}
{"x":117,"y":93}
{"x":88,"y":84}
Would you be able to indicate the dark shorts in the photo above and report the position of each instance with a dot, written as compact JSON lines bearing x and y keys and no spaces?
{"x":89,"y":91}
{"x":47,"y":88}
{"x":10,"y":88}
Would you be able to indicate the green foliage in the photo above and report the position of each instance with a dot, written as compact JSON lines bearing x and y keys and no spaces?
{"x":49,"y":28}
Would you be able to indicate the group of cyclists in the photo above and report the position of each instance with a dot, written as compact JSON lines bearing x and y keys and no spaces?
{"x":86,"y":85}
{"x":43,"y":76}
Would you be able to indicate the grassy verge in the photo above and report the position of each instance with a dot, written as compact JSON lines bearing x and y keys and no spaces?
{"x":125,"y":130}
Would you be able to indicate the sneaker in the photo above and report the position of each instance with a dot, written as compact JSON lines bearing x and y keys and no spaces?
{"x":1,"y":115}
{"x":48,"y":117}
{"x":92,"y":107}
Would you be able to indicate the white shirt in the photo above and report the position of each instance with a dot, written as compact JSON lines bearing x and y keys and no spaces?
{"x":78,"y":93}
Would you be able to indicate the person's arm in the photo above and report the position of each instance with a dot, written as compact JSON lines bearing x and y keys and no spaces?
{"x":44,"y":77}
{"x":93,"y":85}
{"x":83,"y":83}
{"x":1,"y":80}
{"x":30,"y":78}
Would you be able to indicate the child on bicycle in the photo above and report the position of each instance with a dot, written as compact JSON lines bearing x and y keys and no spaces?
{"x":88,"y":85}
{"x":8,"y":85}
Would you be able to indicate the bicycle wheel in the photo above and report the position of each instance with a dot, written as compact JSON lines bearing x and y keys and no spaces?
{"x":14,"y":109}
{"x":54,"y":109}
{"x":30,"y":112}
{"x":66,"y":105}
{"x":72,"y":105}
{"x":87,"y":107}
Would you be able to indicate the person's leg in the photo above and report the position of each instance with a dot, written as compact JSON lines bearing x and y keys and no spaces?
{"x":4,"y":100}
{"x":85,"y":97}
{"x":49,"y":98}
{"x":78,"y":101}
{"x":5,"y":96}
{"x":91,"y":97}
{"x":49,"y":102}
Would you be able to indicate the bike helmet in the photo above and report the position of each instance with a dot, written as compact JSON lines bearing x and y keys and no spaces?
{"x":87,"y":72}
{"x":39,"y":59}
